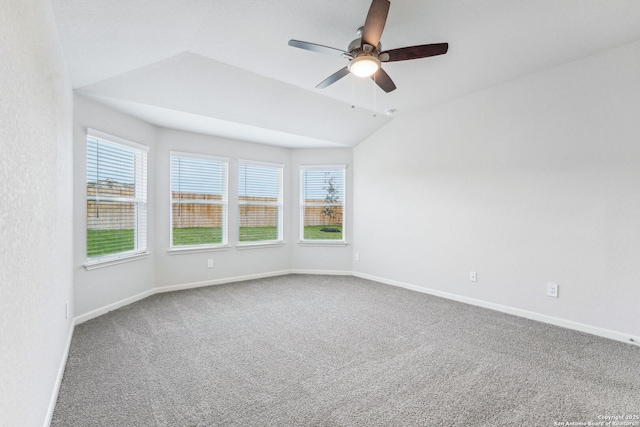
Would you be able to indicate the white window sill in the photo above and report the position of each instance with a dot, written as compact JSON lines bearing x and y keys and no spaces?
{"x":108,"y":261}
{"x":197,"y":249}
{"x":322,"y":243}
{"x":256,"y":245}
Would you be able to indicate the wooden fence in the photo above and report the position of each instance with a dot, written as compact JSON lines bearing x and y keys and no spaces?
{"x":251,"y":215}
{"x":106,"y":215}
{"x":189,"y":213}
{"x":313,"y":215}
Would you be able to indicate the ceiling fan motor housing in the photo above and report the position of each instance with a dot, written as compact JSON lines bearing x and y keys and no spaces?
{"x":356,"y":47}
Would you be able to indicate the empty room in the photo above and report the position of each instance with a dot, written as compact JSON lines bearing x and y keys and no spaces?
{"x":319,"y":213}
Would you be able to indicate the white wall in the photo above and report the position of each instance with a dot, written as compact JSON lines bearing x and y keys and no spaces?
{"x":95,"y":289}
{"x":35,"y":211}
{"x":189,"y":268}
{"x":530,"y":182}
{"x":321,"y":258}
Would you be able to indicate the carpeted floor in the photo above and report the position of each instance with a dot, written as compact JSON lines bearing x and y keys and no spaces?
{"x":303,"y":350}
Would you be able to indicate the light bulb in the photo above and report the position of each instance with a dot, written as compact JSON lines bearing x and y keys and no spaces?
{"x":364,"y":66}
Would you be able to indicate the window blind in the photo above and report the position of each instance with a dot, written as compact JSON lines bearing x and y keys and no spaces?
{"x":199,"y":202}
{"x":260,"y":202}
{"x":322,"y":203}
{"x":116,"y":199}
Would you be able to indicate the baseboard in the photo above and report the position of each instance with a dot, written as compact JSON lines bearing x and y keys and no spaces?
{"x":114,"y":306}
{"x":118,"y":304}
{"x":582,"y":327}
{"x":192,"y":285}
{"x":569,"y":324}
{"x":56,"y":386}
{"x":322,"y":272}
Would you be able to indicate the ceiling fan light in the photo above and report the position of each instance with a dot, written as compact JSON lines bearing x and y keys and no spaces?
{"x":364,"y":66}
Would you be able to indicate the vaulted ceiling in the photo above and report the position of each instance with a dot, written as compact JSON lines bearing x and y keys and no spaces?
{"x":224,"y":67}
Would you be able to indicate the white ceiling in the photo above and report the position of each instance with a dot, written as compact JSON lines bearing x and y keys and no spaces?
{"x":224,"y":67}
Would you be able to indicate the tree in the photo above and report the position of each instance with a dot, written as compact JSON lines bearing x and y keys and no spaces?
{"x":331,"y":197}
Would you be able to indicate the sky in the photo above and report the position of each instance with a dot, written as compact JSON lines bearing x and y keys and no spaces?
{"x":189,"y":175}
{"x":316,"y":183}
{"x":116,"y":162}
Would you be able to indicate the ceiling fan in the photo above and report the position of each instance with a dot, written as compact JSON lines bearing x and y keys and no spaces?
{"x":365,"y":53}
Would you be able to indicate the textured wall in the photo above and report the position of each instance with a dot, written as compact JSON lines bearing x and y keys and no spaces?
{"x":35,"y":211}
{"x":530,"y":182}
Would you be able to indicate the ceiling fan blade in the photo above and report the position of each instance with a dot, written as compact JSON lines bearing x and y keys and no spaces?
{"x":376,"y":18}
{"x":316,"y":48}
{"x":414,"y":52}
{"x":333,"y":78}
{"x":383,"y":80}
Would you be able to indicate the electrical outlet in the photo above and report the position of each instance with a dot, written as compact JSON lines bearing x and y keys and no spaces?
{"x":357,"y":256}
{"x":552,"y":290}
{"x":66,"y":309}
{"x":473,"y":277}
{"x":210,"y":263}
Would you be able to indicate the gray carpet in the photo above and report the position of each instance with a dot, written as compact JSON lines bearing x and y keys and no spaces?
{"x":336,"y":351}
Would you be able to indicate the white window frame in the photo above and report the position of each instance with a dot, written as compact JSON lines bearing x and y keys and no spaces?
{"x":140,"y":202}
{"x":224,"y":202}
{"x":280,"y":204}
{"x":322,"y":242}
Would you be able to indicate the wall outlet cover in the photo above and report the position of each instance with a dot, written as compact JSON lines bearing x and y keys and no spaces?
{"x":552,"y":290}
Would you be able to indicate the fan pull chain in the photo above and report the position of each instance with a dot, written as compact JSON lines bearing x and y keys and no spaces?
{"x":374,"y":96}
{"x":353,"y":91}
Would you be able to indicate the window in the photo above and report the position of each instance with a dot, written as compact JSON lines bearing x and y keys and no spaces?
{"x":322,"y":203}
{"x":199,"y":201}
{"x":260,"y":202}
{"x":116,"y":197}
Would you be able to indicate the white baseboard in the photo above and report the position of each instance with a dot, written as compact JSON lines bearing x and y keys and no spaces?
{"x":323,"y":272}
{"x":114,"y":306}
{"x":569,"y":324}
{"x":192,"y":285}
{"x":56,"y":386}
{"x":118,"y":304}
{"x":582,"y":327}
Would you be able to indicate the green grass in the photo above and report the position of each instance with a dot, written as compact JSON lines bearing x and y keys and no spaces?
{"x":256,"y":234}
{"x":123,"y":240}
{"x":312,"y":232}
{"x":192,"y":236}
{"x":197,"y":236}
{"x":113,"y":242}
